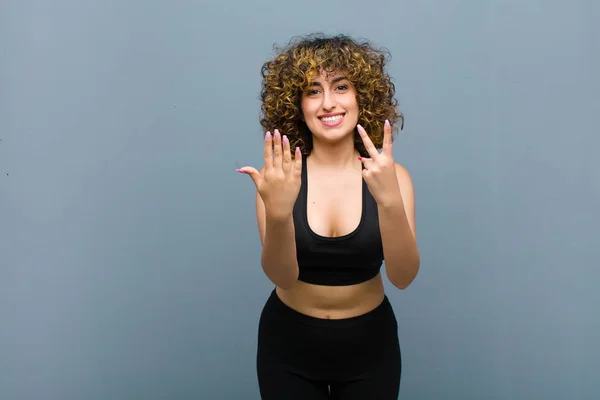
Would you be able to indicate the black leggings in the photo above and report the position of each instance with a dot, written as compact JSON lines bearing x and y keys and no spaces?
{"x":305,"y":358}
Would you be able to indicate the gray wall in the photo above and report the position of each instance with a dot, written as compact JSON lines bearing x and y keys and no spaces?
{"x":129,"y":257}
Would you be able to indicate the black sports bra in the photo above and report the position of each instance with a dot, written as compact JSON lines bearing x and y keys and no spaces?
{"x":343,"y":260}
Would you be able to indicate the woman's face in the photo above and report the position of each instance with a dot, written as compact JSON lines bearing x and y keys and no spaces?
{"x":329,"y":107}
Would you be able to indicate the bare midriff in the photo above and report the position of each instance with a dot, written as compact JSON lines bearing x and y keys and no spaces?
{"x":334,"y":302}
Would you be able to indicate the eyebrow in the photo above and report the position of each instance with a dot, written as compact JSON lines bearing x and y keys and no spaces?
{"x":333,"y":81}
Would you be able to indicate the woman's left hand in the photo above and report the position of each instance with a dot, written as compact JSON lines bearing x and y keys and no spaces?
{"x":380,"y":169}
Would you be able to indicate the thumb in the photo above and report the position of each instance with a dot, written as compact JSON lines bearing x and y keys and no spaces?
{"x":254,"y":174}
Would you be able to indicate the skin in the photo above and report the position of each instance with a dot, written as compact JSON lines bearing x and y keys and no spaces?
{"x":334,"y":205}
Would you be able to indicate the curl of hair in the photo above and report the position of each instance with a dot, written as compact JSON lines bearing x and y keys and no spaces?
{"x":287,"y":76}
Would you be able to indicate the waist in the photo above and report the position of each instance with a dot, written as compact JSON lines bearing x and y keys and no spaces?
{"x":334,"y":302}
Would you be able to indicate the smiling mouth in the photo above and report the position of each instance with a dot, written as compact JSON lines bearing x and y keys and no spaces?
{"x":332,"y":120}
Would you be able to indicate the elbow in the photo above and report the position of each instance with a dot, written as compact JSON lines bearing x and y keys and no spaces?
{"x":285,"y":285}
{"x":286,"y":281}
{"x":282,"y":278}
{"x":403,"y":284}
{"x":405,"y":274}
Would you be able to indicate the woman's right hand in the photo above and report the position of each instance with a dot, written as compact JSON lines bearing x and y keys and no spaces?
{"x":279,"y":184}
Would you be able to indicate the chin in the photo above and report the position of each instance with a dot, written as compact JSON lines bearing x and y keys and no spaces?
{"x":334,"y":136}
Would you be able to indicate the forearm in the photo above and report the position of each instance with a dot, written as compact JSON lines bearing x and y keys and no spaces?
{"x":279,"y":252}
{"x":399,"y":245}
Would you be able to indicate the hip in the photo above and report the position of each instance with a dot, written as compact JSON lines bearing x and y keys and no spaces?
{"x":318,"y":347}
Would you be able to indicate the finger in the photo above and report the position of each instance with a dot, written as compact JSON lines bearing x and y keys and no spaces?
{"x":268,"y":151}
{"x":367,"y":142}
{"x":367,"y":162}
{"x":387,"y":138}
{"x":298,"y":163}
{"x":277,"y":150}
{"x":365,"y":173}
{"x":287,"y":155}
{"x":254,"y":174}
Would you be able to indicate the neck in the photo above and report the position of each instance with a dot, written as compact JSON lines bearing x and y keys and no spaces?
{"x":334,"y":155}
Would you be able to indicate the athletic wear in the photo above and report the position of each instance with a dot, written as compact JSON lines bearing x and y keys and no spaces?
{"x":337,"y":261}
{"x":306,"y":358}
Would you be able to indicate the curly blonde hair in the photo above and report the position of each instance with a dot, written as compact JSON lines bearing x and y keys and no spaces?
{"x":287,"y":75}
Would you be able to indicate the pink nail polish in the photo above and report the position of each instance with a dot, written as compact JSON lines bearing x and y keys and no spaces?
{"x":240,"y":171}
{"x":387,"y":123}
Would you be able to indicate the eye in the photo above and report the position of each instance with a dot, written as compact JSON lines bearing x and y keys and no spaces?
{"x":312,"y":92}
{"x":342,"y":87}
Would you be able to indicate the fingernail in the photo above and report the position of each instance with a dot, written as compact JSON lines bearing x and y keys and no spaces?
{"x":285,"y":139}
{"x":298,"y":150}
{"x":240,"y":171}
{"x":268,"y":136}
{"x":387,"y":123}
{"x":360,"y":158}
{"x":276,"y":134}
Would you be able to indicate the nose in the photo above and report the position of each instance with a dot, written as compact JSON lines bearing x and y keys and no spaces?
{"x":329,"y":101}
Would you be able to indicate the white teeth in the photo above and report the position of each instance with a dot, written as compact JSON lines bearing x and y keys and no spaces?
{"x":332,"y":119}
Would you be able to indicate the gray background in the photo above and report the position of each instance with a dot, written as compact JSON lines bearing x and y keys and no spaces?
{"x":129,"y":256}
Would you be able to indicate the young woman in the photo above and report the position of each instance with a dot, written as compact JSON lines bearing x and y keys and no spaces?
{"x":330,"y":208}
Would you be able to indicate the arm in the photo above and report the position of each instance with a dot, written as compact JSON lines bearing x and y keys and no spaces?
{"x":278,"y":240}
{"x":397,"y":225}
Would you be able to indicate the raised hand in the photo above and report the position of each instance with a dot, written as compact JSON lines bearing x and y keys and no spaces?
{"x":279,"y":184}
{"x":380,"y":169}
